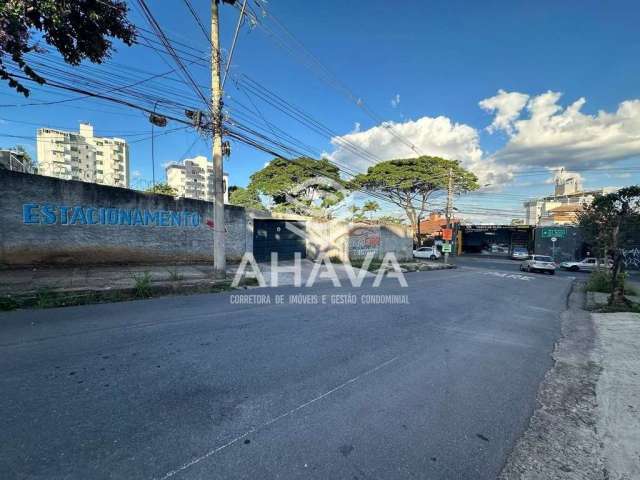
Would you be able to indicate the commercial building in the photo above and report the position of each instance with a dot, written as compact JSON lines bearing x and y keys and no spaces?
{"x":83,"y":156}
{"x":563,"y":206}
{"x":193,"y":178}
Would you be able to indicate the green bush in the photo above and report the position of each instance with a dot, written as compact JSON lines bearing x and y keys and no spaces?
{"x":600,"y":281}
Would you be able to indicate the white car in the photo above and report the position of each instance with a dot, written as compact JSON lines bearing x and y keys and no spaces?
{"x":586,"y":264}
{"x":538,"y":263}
{"x":431,"y":253}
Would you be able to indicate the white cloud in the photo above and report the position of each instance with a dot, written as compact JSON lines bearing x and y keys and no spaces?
{"x":431,"y":136}
{"x":550,"y":134}
{"x":395,"y":101}
{"x":356,"y":127}
{"x":507,"y":106}
{"x":136,"y":174}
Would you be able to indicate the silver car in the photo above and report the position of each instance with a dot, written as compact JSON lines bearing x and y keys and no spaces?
{"x":539,"y":263}
{"x":587,"y":264}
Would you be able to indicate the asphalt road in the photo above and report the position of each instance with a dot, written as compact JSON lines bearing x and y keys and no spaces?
{"x":198,"y":387}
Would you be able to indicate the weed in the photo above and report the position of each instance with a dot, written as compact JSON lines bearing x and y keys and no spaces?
{"x":46,"y":298}
{"x":8,"y":303}
{"x":174,"y":275}
{"x":143,"y":285}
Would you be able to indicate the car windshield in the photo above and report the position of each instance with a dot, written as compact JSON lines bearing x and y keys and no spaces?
{"x":519,"y":250}
{"x":540,"y":258}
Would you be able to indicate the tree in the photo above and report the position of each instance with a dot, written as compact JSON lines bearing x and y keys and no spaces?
{"x":370,"y":206}
{"x":304,"y":185}
{"x":78,"y":29}
{"x":244,"y":197}
{"x":410,"y":183}
{"x":610,"y":223}
{"x":357,"y":214}
{"x":162,"y":189}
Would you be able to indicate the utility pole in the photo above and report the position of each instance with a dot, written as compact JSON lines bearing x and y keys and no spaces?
{"x":448,"y":213}
{"x":219,"y":260}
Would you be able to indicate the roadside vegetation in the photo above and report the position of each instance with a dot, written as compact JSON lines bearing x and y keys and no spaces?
{"x":144,"y":288}
{"x":610,"y":223}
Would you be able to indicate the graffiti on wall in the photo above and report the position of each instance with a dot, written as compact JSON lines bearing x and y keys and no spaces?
{"x":363,"y":240}
{"x":631,"y":257}
{"x":48,"y":214}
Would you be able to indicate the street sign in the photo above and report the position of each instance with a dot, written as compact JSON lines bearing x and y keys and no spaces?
{"x":557,"y":232}
{"x":447,"y":233}
{"x":554,"y":239}
{"x":446,"y":248}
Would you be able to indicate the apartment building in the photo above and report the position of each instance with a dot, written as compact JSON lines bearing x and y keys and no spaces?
{"x":563,"y":207}
{"x":193,"y":178}
{"x":83,"y":156}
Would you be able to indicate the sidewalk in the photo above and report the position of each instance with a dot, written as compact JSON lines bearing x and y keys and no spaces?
{"x":110,"y":281}
{"x":587,"y":423}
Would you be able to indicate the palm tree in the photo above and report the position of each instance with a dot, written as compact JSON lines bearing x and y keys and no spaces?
{"x":370,"y":206}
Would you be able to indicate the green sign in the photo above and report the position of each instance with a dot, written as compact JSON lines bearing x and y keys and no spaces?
{"x":446,"y":248}
{"x":549,"y":232}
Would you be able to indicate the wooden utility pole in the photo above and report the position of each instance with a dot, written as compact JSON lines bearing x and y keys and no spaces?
{"x":219,"y":258}
{"x":448,"y":212}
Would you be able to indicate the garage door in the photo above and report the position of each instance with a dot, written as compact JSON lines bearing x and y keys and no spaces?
{"x":273,"y":236}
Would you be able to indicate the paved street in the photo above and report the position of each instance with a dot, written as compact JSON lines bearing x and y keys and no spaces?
{"x":200,"y":387}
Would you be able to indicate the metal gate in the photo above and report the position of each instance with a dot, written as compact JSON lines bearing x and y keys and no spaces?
{"x":273,"y":236}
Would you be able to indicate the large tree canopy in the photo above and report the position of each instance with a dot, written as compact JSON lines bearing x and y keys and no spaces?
{"x":78,"y":29}
{"x":410,"y":183}
{"x":611,"y":223}
{"x":303,"y":185}
{"x":245,"y":197}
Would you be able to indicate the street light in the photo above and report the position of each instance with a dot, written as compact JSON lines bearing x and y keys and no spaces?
{"x":160,"y":121}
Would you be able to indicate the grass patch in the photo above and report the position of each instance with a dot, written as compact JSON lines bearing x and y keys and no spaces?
{"x":374,"y":266}
{"x":8,"y":304}
{"x":625,"y":307}
{"x":142,"y":287}
{"x":600,"y":281}
{"x":174,"y":275}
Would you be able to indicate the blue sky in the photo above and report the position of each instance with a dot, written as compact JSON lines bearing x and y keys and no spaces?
{"x":439,"y":59}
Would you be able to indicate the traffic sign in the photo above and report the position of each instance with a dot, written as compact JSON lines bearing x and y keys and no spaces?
{"x":557,"y":232}
{"x":446,"y":248}
{"x":554,"y":239}
{"x":447,"y":233}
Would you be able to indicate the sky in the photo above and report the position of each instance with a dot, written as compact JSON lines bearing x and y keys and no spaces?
{"x":511,"y":89}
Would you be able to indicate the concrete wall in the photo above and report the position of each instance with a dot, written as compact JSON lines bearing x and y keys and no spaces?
{"x":354,"y":241}
{"x":48,"y":221}
{"x":44,"y":220}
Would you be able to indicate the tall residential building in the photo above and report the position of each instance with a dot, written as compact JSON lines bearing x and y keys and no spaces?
{"x":82,"y":156}
{"x":563,"y":206}
{"x":193,"y":178}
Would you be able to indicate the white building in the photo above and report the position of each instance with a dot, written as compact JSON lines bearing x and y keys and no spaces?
{"x":193,"y":178}
{"x":16,"y":160}
{"x":563,"y":206}
{"x":82,"y":156}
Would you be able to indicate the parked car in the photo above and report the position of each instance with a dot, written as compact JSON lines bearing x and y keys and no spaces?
{"x":519,"y":253}
{"x":539,"y":263}
{"x":588,"y":264}
{"x":431,"y":253}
